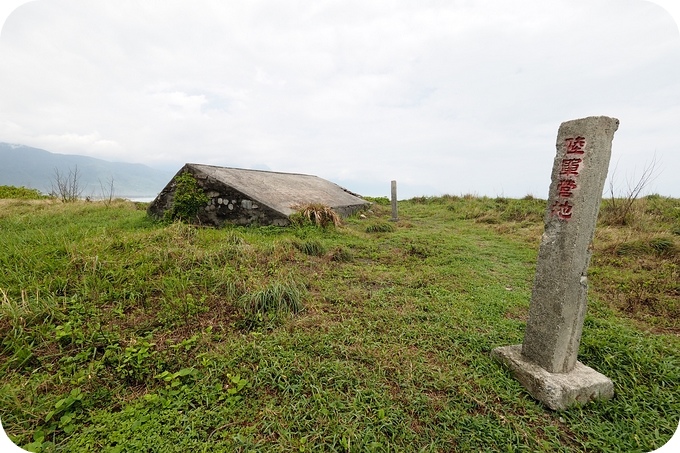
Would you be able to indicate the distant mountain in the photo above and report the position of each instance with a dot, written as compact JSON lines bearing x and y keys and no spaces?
{"x":36,"y":168}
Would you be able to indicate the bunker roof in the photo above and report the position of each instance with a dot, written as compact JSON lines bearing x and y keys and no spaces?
{"x":281,"y":191}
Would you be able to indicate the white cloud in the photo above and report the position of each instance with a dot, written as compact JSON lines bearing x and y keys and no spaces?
{"x":93,"y":142}
{"x":444,"y":96}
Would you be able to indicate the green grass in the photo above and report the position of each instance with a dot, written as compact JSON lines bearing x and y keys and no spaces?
{"x":380,"y":227}
{"x":122,"y":334}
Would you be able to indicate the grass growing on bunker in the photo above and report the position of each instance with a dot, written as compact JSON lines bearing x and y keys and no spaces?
{"x":122,"y":334}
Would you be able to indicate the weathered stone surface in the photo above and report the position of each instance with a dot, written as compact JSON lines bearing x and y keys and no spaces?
{"x":244,"y":197}
{"x":545,"y":363}
{"x":558,"y":301}
{"x":393,"y":193}
{"x":556,"y":390}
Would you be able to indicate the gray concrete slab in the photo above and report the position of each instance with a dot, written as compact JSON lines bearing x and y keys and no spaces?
{"x":558,"y":300}
{"x":558,"y":391}
{"x":245,"y":197}
{"x":282,"y":191}
{"x":546,"y":361}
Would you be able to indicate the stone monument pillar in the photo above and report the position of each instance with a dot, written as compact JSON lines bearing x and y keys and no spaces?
{"x":545,"y":363}
{"x":394,"y":202}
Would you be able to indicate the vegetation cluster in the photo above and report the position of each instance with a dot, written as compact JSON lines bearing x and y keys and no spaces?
{"x":20,"y":193}
{"x":122,"y":334}
{"x":188,"y":200}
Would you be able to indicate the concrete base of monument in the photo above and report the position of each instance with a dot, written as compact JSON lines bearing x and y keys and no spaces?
{"x":556,"y":390}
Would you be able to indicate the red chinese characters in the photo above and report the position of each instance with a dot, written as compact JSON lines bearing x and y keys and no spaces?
{"x":565,"y":188}
{"x":561,"y":209}
{"x":575,"y":145}
{"x":570,"y":167}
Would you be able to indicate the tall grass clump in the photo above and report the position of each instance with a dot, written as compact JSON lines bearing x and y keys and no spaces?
{"x":31,"y":308}
{"x":382,"y":201}
{"x":341,"y":254}
{"x":380,"y":227}
{"x":482,"y":209}
{"x":444,"y":199}
{"x":524,"y":210}
{"x":315,"y":214}
{"x":311,"y":247}
{"x":17,"y":328}
{"x":659,"y":245}
{"x":273,"y":303}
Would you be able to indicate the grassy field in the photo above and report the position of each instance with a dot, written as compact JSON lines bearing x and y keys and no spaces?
{"x":121,"y":334}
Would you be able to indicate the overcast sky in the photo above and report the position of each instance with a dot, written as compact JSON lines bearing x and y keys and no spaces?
{"x":443,"y":96}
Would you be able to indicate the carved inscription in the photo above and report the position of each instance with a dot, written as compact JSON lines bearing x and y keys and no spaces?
{"x":570,"y":167}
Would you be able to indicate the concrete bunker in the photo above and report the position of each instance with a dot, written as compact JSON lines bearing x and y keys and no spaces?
{"x":244,"y":197}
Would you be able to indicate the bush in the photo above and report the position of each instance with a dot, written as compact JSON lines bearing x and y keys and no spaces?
{"x":619,"y":211}
{"x":67,"y":187}
{"x":21,"y":193}
{"x":189,"y":199}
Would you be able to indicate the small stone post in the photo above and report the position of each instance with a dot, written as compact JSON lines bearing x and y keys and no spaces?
{"x":394,"y":202}
{"x":545,"y":363}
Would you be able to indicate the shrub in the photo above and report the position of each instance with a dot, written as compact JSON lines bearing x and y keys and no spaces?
{"x":67,"y":187}
{"x":189,"y":199}
{"x":20,"y":193}
{"x":619,"y":211}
